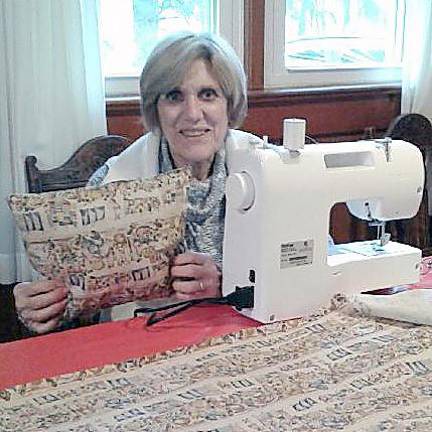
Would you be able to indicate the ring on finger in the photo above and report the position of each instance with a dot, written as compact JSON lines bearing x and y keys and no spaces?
{"x":201,"y":285}
{"x":21,"y":318}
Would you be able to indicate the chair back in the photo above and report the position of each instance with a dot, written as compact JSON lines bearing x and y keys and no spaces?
{"x":76,"y":171}
{"x":416,"y":129}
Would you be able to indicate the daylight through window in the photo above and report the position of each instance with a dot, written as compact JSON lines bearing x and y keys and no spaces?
{"x":346,"y":33}
{"x":131,"y":28}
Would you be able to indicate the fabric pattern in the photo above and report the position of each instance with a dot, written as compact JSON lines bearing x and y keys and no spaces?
{"x":108,"y":245}
{"x":336,"y":371}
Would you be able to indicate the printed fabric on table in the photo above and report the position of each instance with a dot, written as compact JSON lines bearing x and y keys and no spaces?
{"x":336,"y":371}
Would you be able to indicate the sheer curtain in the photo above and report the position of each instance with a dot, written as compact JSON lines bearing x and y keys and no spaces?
{"x":52,"y":98}
{"x":417,"y":62}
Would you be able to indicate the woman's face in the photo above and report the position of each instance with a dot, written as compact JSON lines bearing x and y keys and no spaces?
{"x":194,"y":118}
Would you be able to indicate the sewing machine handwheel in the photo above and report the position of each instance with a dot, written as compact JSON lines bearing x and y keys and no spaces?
{"x":240,"y":191}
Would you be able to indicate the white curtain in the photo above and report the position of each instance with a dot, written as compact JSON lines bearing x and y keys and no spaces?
{"x":52,"y":98}
{"x":417,"y":60}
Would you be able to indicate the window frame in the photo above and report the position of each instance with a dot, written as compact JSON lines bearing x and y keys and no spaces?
{"x":277,"y":76}
{"x":230,"y":24}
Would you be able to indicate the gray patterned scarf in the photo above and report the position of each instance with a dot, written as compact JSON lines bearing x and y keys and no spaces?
{"x":205,"y":215}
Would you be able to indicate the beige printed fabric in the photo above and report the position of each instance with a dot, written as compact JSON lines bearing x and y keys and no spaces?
{"x":109,"y":244}
{"x":337,"y":371}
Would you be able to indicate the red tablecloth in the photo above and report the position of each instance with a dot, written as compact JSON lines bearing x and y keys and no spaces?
{"x":57,"y":353}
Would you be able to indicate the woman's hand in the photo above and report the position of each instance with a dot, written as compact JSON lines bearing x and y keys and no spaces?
{"x":195,"y":275}
{"x":40,"y":305}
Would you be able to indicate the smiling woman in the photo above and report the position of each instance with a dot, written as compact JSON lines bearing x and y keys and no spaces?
{"x":193,"y":93}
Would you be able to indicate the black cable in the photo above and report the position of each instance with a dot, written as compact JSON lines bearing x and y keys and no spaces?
{"x":153,"y":318}
{"x":242,"y":297}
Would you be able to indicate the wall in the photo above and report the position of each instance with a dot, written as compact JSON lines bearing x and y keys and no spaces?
{"x":339,"y":115}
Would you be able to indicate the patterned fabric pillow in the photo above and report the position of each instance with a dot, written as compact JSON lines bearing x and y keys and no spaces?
{"x":108,"y":245}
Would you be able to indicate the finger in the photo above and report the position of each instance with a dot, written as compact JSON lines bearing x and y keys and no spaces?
{"x":44,"y":327}
{"x":210,"y":292}
{"x":182,"y":296}
{"x":191,"y":271}
{"x":188,"y":287}
{"x":190,"y":257}
{"x":55,"y":310}
{"x":42,"y":301}
{"x":30,"y":289}
{"x":47,"y":299}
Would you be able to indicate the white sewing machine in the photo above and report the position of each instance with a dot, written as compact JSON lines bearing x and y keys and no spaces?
{"x":277,"y":220}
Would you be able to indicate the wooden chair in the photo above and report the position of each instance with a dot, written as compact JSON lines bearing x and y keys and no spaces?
{"x":76,"y":171}
{"x":416,"y":129}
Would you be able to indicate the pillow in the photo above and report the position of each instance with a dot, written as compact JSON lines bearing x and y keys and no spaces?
{"x":109,"y":244}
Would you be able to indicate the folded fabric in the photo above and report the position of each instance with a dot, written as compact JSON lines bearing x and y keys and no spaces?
{"x":413,"y":305}
{"x":108,"y":245}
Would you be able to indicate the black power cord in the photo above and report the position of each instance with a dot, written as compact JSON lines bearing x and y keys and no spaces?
{"x":242,"y":297}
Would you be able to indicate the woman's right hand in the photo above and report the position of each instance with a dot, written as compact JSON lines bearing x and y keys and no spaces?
{"x":40,"y":304}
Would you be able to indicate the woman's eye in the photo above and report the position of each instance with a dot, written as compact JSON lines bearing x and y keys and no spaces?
{"x":174,"y":96}
{"x":208,"y":94}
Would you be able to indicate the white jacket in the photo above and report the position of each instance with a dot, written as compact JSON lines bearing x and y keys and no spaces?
{"x":141,"y":160}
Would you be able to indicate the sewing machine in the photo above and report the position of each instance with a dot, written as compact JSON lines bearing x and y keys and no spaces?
{"x":277,"y":220}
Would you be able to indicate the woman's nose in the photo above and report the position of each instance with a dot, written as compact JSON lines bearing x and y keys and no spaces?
{"x":193,"y":109}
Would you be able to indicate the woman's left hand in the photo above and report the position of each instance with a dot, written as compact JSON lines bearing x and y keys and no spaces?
{"x":195,"y":275}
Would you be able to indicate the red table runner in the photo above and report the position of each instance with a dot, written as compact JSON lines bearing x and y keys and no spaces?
{"x":57,"y":353}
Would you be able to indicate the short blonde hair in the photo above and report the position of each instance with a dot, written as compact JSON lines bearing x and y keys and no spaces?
{"x":171,"y":59}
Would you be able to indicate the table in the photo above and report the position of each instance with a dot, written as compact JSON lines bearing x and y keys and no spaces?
{"x":58,"y":353}
{"x":337,"y":370}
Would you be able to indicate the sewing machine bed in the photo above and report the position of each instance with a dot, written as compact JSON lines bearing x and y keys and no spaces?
{"x":336,"y":371}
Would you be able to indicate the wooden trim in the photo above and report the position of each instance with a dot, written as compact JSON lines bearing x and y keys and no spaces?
{"x":262,"y":98}
{"x":254,"y":43}
{"x":120,"y":107}
{"x":267,"y":98}
{"x":332,"y":115}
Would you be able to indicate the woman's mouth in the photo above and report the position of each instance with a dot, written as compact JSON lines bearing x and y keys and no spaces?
{"x":194,"y":133}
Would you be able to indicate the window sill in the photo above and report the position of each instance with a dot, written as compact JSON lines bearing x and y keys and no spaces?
{"x":330,"y":91}
{"x":120,"y":103}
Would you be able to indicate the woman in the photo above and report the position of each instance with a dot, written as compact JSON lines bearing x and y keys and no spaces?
{"x":193,"y":92}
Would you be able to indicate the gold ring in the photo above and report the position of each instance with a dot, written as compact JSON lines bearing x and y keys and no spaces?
{"x":201,"y":285}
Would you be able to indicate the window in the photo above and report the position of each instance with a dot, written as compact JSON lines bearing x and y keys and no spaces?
{"x":130,"y":29}
{"x":319,"y":43}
